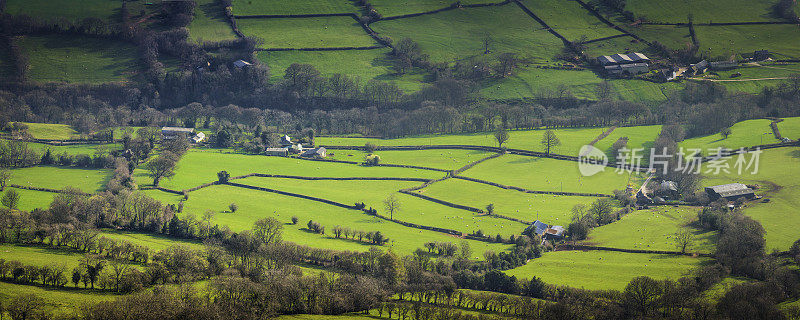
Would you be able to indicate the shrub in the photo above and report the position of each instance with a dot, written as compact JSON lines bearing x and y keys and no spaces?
{"x":233,"y":207}
{"x":294,"y":219}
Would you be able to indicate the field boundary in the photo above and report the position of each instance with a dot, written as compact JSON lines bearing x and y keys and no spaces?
{"x":322,"y":49}
{"x":43,"y":189}
{"x":581,"y":247}
{"x":607,"y":38}
{"x":355,"y":17}
{"x":608,"y":22}
{"x":712,"y":24}
{"x":555,"y":193}
{"x":540,"y":21}
{"x":452,"y":6}
{"x":602,"y":136}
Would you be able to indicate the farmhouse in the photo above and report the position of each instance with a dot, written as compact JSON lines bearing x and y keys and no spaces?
{"x":730,"y":192}
{"x":282,"y":152}
{"x":174,"y":132}
{"x":315,"y":153}
{"x":537,"y":227}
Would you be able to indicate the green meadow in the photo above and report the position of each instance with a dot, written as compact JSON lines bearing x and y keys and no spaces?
{"x":790,"y":128}
{"x":544,"y":174}
{"x":73,"y":10}
{"x":570,"y":20}
{"x":604,"y":270}
{"x":296,"y":33}
{"x":653,"y":229}
{"x":704,"y":11}
{"x":60,"y":301}
{"x":153,"y":241}
{"x":52,"y":177}
{"x":388,"y":8}
{"x":254,"y":205}
{"x":258,"y":7}
{"x":30,"y":199}
{"x":460,"y":34}
{"x":638,"y":137}
{"x":76,"y":149}
{"x":51,"y":131}
{"x":210,"y":23}
{"x":41,"y":255}
{"x":743,"y":134}
{"x":674,"y":37}
{"x":446,"y":159}
{"x":79,"y":59}
{"x":781,"y":39}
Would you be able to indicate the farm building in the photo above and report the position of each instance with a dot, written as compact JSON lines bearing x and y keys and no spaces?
{"x":537,"y":227}
{"x":730,"y":192}
{"x":241,"y":64}
{"x":282,"y":152}
{"x":315,"y":153}
{"x":624,"y":64}
{"x":626,"y":69}
{"x":296,"y":149}
{"x":699,"y":68}
{"x":198,"y":137}
{"x":667,"y":75}
{"x":554,"y":233}
{"x":723,"y":65}
{"x":174,"y":132}
{"x":286,"y":140}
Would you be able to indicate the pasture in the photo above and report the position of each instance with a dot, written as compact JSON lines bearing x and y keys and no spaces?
{"x":743,"y":134}
{"x":274,"y":7}
{"x":73,"y":10}
{"x":551,"y":209}
{"x":459,"y":34}
{"x":638,"y":137}
{"x":544,"y":174}
{"x":412,"y":209}
{"x":790,"y":128}
{"x":75,"y":149}
{"x":153,"y":241}
{"x":30,"y":199}
{"x":297,"y":33}
{"x":724,"y":41}
{"x":447,"y":159}
{"x":210,"y":23}
{"x":51,"y":131}
{"x":61,"y":302}
{"x":254,"y":205}
{"x":570,"y":19}
{"x":704,"y":11}
{"x":653,"y":229}
{"x":389,"y":8}
{"x":200,"y":166}
{"x":363,"y":64}
{"x":79,"y":59}
{"x":41,"y":256}
{"x":604,"y":270}
{"x":674,"y":37}
{"x":87,"y":180}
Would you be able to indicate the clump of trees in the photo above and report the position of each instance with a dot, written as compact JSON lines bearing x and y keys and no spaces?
{"x":370,"y":237}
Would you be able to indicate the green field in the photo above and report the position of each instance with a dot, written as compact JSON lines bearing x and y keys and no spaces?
{"x":259,"y":7}
{"x":743,"y":134}
{"x":30,"y":199}
{"x":87,"y":180}
{"x":551,"y":209}
{"x":412,"y":209}
{"x":450,"y":159}
{"x":388,"y":8}
{"x":154,"y":242}
{"x":544,"y":174}
{"x":322,"y":32}
{"x":201,"y":166}
{"x":600,"y":270}
{"x":638,"y":137}
{"x":781,"y":40}
{"x":76,"y":149}
{"x":41,"y":256}
{"x":674,"y":37}
{"x":78,"y":59}
{"x":459,"y":34}
{"x":73,"y":10}
{"x":570,"y":20}
{"x":704,"y":11}
{"x":621,"y":44}
{"x":653,"y":229}
{"x":254,"y":205}
{"x":790,"y":128}
{"x":210,"y":23}
{"x":60,"y":301}
{"x":51,"y":131}
{"x":364,"y":64}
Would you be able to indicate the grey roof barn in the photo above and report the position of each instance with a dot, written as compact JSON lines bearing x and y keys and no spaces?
{"x":731,"y":191}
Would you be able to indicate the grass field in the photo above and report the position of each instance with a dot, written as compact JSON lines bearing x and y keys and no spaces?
{"x":653,"y":229}
{"x":727,"y":40}
{"x":596,"y":270}
{"x":621,"y":44}
{"x":790,"y":128}
{"x":165,"y":197}
{"x":77,"y":59}
{"x":87,"y":180}
{"x":412,"y":209}
{"x":254,"y":205}
{"x":638,"y":137}
{"x":73,"y":10}
{"x":544,"y":174}
{"x":201,"y":166}
{"x":389,"y":8}
{"x":440,"y":159}
{"x":60,"y":301}
{"x":570,"y":20}
{"x":365,"y":64}
{"x":743,"y":134}
{"x":154,"y":242}
{"x":30,"y":199}
{"x":555,"y":210}
{"x":210,"y":23}
{"x":459,"y":34}
{"x":51,"y":131}
{"x":41,"y":255}
{"x":76,"y":149}
{"x":322,"y":32}
{"x":257,"y":7}
{"x":704,"y":11}
{"x":778,"y":169}
{"x":674,"y":37}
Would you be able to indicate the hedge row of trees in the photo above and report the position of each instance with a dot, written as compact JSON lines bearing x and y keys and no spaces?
{"x":370,"y":237}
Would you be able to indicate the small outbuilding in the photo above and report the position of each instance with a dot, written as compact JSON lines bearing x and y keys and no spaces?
{"x":730,"y":192}
{"x":537,"y":227}
{"x":315,"y":153}
{"x":699,"y":68}
{"x":554,"y":233}
{"x":280,"y":152}
{"x":241,"y":64}
{"x":286,"y":141}
{"x":723,"y":65}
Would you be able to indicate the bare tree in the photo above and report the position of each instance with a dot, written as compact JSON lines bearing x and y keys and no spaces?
{"x":549,"y":140}
{"x":683,"y":240}
{"x":392,"y":204}
{"x":501,"y":135}
{"x":5,"y":175}
{"x":487,"y":43}
{"x":268,"y":230}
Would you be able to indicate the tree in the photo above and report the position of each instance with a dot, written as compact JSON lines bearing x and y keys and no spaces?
{"x":641,"y":295}
{"x":5,"y":175}
{"x":295,"y":219}
{"x":10,"y":199}
{"x":93,"y":267}
{"x":392,"y":204}
{"x":683,"y":240}
{"x":223,"y":177}
{"x":487,"y":43}
{"x":268,"y":230}
{"x":233,"y":207}
{"x":161,"y":167}
{"x":725,"y":132}
{"x":600,"y":209}
{"x":549,"y":140}
{"x":26,"y":306}
{"x":501,"y":135}
{"x":490,"y":209}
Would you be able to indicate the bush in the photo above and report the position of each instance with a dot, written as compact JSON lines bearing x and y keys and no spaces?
{"x":294,"y":219}
{"x":233,"y":207}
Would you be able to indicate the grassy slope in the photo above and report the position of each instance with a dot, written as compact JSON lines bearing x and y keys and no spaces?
{"x":440,"y":159}
{"x":209,"y":23}
{"x":366,"y":64}
{"x":653,"y":229}
{"x":154,"y":242}
{"x":255,"y":7}
{"x":778,"y":217}
{"x":254,"y":205}
{"x":743,"y":134}
{"x":62,"y":302}
{"x":790,"y":128}
{"x":544,"y":174}
{"x":672,"y":36}
{"x":704,"y":11}
{"x":389,"y":8}
{"x":638,"y":137}
{"x":728,"y":40}
{"x":51,"y":131}
{"x":76,"y":59}
{"x":528,"y":207}
{"x":459,"y":34}
{"x":412,"y":209}
{"x":201,"y":166}
{"x":41,"y":256}
{"x":604,"y":269}
{"x":73,"y":10}
{"x":29,"y":199}
{"x":87,"y":180}
{"x":569,"y":19}
{"x":76,"y":149}
{"x":320,"y":32}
